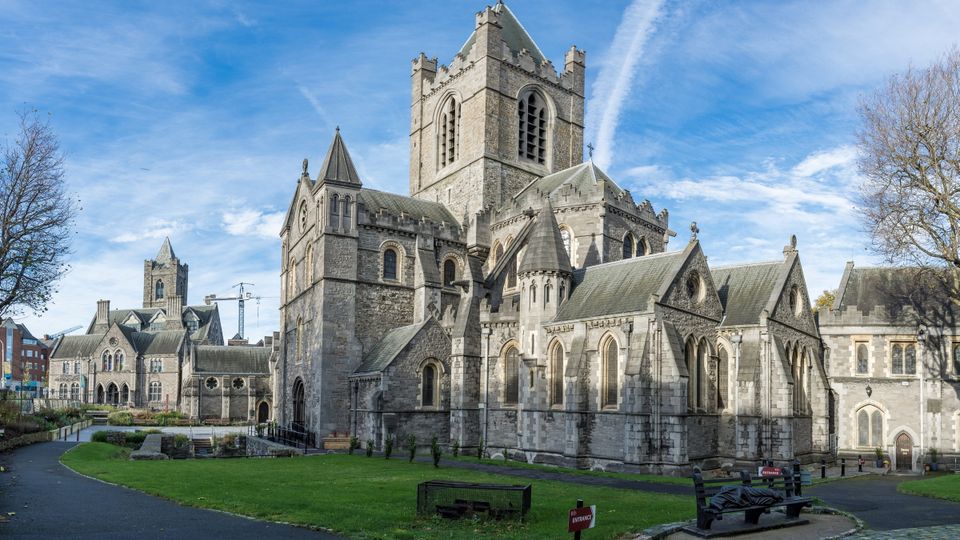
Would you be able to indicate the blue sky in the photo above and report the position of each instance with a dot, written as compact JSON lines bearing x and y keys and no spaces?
{"x":190,"y":119}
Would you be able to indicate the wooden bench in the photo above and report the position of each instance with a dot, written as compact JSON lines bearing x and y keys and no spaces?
{"x":787,"y":484}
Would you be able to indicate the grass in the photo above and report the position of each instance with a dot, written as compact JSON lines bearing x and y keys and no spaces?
{"x":636,"y":477}
{"x":945,"y":486}
{"x":366,"y":497}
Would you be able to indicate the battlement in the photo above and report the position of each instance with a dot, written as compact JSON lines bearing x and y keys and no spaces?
{"x":415,"y":225}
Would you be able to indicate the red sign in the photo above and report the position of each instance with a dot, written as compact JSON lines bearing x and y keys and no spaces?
{"x":582,"y":518}
{"x":769,"y":472}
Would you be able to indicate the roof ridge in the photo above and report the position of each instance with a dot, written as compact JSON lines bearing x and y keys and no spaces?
{"x":744,"y":265}
{"x":662,"y":254}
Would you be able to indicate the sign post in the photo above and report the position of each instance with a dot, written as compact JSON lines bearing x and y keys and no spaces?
{"x":581,"y":518}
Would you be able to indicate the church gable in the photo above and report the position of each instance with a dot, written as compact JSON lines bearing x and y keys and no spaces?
{"x":690,"y":285}
{"x":790,"y":304}
{"x":426,"y":339}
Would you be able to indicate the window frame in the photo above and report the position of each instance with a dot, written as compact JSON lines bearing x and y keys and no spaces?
{"x":610,"y":373}
{"x":511,"y":374}
{"x":855,"y":365}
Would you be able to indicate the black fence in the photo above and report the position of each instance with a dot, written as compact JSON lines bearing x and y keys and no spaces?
{"x":294,"y":435}
{"x":462,"y":499}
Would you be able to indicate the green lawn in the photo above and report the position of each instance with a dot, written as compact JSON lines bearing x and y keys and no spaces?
{"x":637,"y":477}
{"x":366,"y":497}
{"x":940,"y":487}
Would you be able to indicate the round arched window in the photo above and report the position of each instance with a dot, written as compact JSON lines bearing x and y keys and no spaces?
{"x":238,"y":383}
{"x":212,"y":383}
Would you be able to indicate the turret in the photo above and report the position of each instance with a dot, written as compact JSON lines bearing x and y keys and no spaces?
{"x":544,"y":274}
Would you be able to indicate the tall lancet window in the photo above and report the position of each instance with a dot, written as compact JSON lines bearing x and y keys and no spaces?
{"x":158,"y":292}
{"x":532,"y":136}
{"x":448,"y":134}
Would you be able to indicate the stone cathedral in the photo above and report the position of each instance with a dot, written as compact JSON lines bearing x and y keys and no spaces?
{"x":521,"y":301}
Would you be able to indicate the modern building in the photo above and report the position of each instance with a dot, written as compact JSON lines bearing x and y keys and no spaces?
{"x":24,"y":359}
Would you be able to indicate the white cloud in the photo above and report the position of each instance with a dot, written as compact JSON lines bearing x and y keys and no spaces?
{"x":843,"y":156}
{"x":249,"y":221}
{"x":152,"y":228}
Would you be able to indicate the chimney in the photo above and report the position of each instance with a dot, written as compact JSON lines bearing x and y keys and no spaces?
{"x":103,"y":313}
{"x":174,"y":312}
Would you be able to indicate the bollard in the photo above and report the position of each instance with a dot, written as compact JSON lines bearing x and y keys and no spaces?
{"x":823,"y":468}
{"x":843,"y":466}
{"x":859,"y":463}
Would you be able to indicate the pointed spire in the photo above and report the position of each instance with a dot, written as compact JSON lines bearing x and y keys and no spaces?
{"x":513,"y":33}
{"x":166,"y":253}
{"x":337,"y":166}
{"x":545,"y":251}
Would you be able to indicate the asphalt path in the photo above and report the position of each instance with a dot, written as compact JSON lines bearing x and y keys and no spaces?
{"x":48,"y":500}
{"x":876,"y":501}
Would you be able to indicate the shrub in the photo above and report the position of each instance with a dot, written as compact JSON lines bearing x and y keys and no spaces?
{"x":879,"y":452}
{"x":135,"y":439}
{"x":412,"y":446}
{"x":435,"y":451}
{"x":151,"y":431}
{"x":99,"y":436}
{"x":455,"y":448}
{"x":230,"y":439}
{"x":480,"y":449}
{"x":180,"y":441}
{"x":120,"y":418}
{"x":354,"y":444}
{"x":387,"y":448}
{"x":369,"y":447}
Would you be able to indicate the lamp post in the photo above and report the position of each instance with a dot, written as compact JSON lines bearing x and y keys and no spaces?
{"x":921,"y":333}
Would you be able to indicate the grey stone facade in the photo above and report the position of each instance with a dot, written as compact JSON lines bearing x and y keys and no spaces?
{"x":522,"y":299}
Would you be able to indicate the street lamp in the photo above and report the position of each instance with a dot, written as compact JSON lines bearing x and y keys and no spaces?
{"x":921,"y":334}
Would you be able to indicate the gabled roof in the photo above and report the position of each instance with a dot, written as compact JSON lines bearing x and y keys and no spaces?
{"x":513,"y":33}
{"x":164,"y":342}
{"x":77,"y":346}
{"x":337,"y":166}
{"x":746,"y":290}
{"x":165,"y":254}
{"x":392,"y":344}
{"x":374,"y":200}
{"x":894,"y":290}
{"x":220,"y":359}
{"x":545,"y":251}
{"x":620,"y":287}
{"x":583,"y":178}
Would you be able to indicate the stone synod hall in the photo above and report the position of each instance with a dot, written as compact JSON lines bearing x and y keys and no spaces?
{"x":520,"y":299}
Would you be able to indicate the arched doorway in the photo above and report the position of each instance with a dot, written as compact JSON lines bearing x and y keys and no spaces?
{"x":100,"y":393}
{"x":299,"y":410}
{"x":904,"y":452}
{"x":113,"y":394}
{"x":263,"y":412}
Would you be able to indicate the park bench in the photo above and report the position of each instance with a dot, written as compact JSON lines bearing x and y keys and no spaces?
{"x":456,"y":500}
{"x":787,"y":484}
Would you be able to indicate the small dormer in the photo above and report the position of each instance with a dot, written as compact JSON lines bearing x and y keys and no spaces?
{"x":132,"y":321}
{"x":157,"y":323}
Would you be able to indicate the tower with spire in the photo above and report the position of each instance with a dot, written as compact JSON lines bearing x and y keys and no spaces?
{"x":164,"y":277}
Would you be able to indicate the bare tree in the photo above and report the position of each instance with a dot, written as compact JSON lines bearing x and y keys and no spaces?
{"x":36,"y":217}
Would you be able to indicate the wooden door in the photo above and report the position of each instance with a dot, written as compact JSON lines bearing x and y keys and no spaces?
{"x":904,"y":452}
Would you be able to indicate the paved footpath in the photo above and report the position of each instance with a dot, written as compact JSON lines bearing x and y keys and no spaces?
{"x":51,"y":501}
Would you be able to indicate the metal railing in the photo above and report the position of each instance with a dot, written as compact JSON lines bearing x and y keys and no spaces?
{"x":295,"y":435}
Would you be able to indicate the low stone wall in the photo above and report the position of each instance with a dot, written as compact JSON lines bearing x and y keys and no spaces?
{"x":42,"y":436}
{"x":150,"y":449}
{"x":257,"y":447}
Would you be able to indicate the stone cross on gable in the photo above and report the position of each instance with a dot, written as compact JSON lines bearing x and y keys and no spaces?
{"x":590,"y":150}
{"x":694,"y":230}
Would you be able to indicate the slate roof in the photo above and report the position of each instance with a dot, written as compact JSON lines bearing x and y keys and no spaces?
{"x":220,"y":359}
{"x":374,"y":200}
{"x":512,"y":33}
{"x":337,"y":166}
{"x":619,"y":287}
{"x":389,"y":347}
{"x":584,"y":178}
{"x":545,"y":251}
{"x":165,"y":342}
{"x":895,"y":288}
{"x":166,"y":253}
{"x":145,"y":315}
{"x":77,"y":346}
{"x":745,"y":290}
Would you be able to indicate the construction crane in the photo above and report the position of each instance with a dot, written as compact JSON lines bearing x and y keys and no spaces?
{"x":55,"y":335}
{"x":241,"y":297}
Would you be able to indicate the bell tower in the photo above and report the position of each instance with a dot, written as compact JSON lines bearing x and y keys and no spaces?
{"x":495,"y":119}
{"x":164,"y":277}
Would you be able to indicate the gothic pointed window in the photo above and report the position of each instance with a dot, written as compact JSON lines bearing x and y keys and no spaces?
{"x":497,"y":253}
{"x":862,"y":359}
{"x":448,"y":134}
{"x":546,"y":294}
{"x":308,"y":266}
{"x":642,"y":248}
{"x":611,"y":373}
{"x":512,"y":273}
{"x":449,"y":272}
{"x":702,"y":352}
{"x":118,"y":361}
{"x":158,"y":290}
{"x":511,"y":373}
{"x":291,"y":278}
{"x":566,"y":237}
{"x":429,"y":386}
{"x":533,"y":295}
{"x":723,"y":364}
{"x":627,"y":246}
{"x":910,"y":359}
{"x":390,"y":264}
{"x":690,"y":357}
{"x":63,"y":391}
{"x":532,"y":134}
{"x":562,"y":295}
{"x":335,"y":211}
{"x":347,"y":223}
{"x":75,"y":391}
{"x":556,"y":374}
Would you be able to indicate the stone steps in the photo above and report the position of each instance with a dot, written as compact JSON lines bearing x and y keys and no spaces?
{"x":98,"y":417}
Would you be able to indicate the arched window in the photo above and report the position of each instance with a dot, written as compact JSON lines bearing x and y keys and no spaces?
{"x":299,"y":405}
{"x":299,"y":339}
{"x":533,"y":295}
{"x":497,"y":254}
{"x":910,"y":359}
{"x":390,"y":264}
{"x":347,"y":222}
{"x":429,"y":391}
{"x":566,"y":237}
{"x":63,"y":391}
{"x":532,"y":135}
{"x":546,"y":294}
{"x":723,"y":364}
{"x":556,"y":374}
{"x":448,"y":134}
{"x":118,"y":361}
{"x":512,"y":273}
{"x":66,"y":368}
{"x":862,"y":359}
{"x":563,"y":289}
{"x":335,"y":211}
{"x":124,"y":393}
{"x":869,"y":427}
{"x":642,"y":247}
{"x":702,"y":352}
{"x":690,"y":357}
{"x":76,"y":367}
{"x":291,"y":278}
{"x":308,"y":265}
{"x":627,"y":246}
{"x":155,"y":391}
{"x":611,"y":373}
{"x":158,"y":290}
{"x":75,"y":391}
{"x":106,"y":361}
{"x":449,"y":272}
{"x":511,"y":372}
